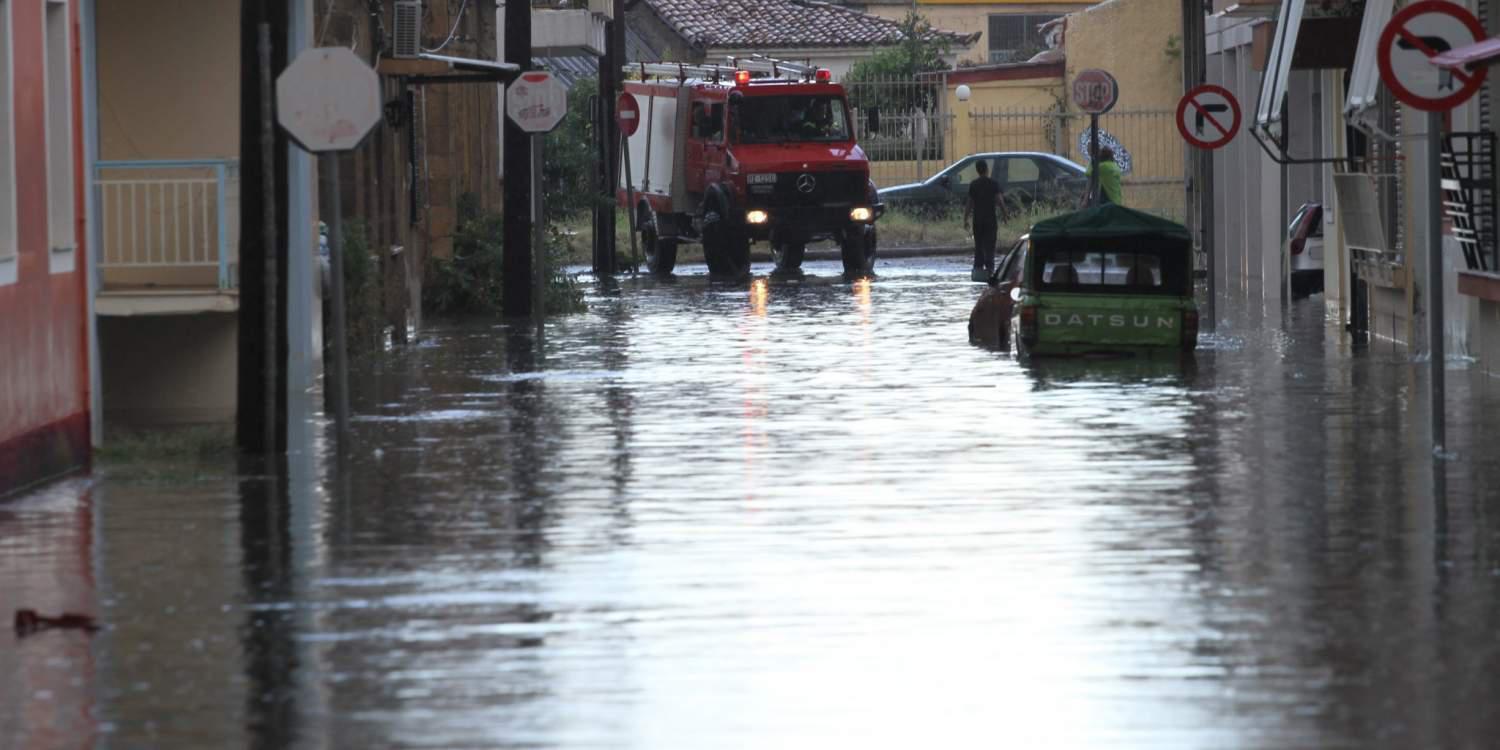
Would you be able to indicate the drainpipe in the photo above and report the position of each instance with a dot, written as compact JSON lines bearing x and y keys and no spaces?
{"x":93,"y":250}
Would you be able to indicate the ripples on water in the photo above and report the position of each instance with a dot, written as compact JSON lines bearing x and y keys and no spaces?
{"x":798,"y":513}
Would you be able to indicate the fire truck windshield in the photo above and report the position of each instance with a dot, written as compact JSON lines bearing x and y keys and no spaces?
{"x":779,"y":119}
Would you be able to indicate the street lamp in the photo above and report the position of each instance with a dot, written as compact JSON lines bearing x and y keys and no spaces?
{"x":962,"y":92}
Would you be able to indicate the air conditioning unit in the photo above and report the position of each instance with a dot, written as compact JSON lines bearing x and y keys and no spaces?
{"x":407,"y":36}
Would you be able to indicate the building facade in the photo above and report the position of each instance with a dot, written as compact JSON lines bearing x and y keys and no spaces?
{"x":1341,"y":139}
{"x":44,"y":302}
{"x":1005,"y":32}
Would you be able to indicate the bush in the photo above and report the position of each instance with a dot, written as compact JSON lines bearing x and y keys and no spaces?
{"x":471,"y":280}
{"x":571,"y":163}
{"x":920,"y":51}
{"x":362,"y":308}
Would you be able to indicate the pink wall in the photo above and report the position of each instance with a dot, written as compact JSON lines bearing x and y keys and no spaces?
{"x":43,"y":316}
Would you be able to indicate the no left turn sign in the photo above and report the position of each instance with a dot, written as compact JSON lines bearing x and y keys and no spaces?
{"x":1208,"y":116}
{"x":1415,"y":35}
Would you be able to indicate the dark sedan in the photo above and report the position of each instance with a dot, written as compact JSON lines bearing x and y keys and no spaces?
{"x":1025,"y":177}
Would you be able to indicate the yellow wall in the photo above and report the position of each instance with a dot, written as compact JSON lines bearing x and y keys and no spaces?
{"x":1035,"y":95}
{"x":1129,"y":38}
{"x":169,"y":79}
{"x":970,"y":16}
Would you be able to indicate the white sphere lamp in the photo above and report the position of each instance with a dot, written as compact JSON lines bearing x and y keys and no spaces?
{"x":962,"y":92}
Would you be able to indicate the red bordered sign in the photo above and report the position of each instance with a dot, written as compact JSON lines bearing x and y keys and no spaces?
{"x":1409,"y":42}
{"x":627,"y":113}
{"x":1208,"y":116}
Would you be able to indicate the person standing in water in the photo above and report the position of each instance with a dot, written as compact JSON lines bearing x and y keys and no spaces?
{"x":985,"y":207}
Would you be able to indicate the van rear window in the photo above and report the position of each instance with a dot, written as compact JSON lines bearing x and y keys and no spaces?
{"x":1136,"y":271}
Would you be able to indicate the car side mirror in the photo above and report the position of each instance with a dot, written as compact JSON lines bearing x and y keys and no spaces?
{"x":943,"y":180}
{"x":872,"y":120}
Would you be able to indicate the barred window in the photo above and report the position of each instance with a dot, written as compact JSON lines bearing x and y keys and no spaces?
{"x":1016,"y":37}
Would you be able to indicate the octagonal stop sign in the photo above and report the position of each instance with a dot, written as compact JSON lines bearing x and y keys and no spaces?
{"x":536,"y":101}
{"x":328,"y":99}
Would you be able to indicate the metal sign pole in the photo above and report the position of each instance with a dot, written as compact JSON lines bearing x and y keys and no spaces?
{"x":339,"y":383}
{"x":1093,"y":159}
{"x":629,"y":194}
{"x":539,"y":228}
{"x":1435,"y":272}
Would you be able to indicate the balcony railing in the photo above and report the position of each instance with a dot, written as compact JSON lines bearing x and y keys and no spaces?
{"x":169,"y":215}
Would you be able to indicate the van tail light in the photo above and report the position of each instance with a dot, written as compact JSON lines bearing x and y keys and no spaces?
{"x":1028,"y":325}
{"x":1189,"y":329}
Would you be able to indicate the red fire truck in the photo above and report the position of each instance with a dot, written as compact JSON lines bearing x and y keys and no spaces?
{"x":756,"y":150}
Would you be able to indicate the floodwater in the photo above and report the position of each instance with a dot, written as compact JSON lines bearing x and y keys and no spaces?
{"x":783,"y":514}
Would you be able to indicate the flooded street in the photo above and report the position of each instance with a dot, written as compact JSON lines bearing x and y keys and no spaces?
{"x":795,"y":513}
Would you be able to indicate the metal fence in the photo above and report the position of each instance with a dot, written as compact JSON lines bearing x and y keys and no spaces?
{"x":916,"y":136}
{"x":902,"y":127}
{"x":169,"y":214}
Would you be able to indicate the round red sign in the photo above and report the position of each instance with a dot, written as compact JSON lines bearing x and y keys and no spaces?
{"x":1415,"y":35}
{"x":1095,"y":91}
{"x":627,"y":113}
{"x":1208,"y":116}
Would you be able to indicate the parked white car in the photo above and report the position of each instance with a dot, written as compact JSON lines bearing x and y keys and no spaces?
{"x":1305,"y":244}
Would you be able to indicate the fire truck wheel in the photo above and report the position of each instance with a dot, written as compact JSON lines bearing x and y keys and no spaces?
{"x":661,"y":255}
{"x":726,"y":248}
{"x":788,"y":255}
{"x":858,"y":251}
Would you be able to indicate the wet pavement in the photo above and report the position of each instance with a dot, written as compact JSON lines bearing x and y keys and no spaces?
{"x":795,"y":513}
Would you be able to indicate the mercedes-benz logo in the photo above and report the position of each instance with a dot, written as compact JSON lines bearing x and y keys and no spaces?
{"x":806,"y":183}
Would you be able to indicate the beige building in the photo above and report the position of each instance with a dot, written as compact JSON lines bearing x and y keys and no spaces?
{"x":1007,"y":32}
{"x":166,"y":196}
{"x":1025,"y":106}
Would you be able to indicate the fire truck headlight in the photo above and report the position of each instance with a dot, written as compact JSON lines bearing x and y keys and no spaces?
{"x":757,"y":216}
{"x":861,"y":214}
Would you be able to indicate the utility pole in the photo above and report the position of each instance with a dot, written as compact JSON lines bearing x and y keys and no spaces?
{"x":516,"y":266}
{"x":609,"y":141}
{"x":1200,"y":164}
{"x":260,"y":426}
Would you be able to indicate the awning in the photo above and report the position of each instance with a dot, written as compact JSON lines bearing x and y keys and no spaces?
{"x":1273,"y":83}
{"x":1364,"y":78}
{"x":1477,"y":54}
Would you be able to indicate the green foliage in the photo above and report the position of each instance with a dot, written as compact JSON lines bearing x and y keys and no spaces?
{"x":571,"y":160}
{"x":1173,"y":50}
{"x":470,"y":281}
{"x":921,"y":51}
{"x":361,"y":289}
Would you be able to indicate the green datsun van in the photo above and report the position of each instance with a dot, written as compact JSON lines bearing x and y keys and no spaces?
{"x":1106,"y":279}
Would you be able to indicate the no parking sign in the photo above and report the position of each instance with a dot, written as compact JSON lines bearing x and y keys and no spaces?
{"x":1208,"y":116}
{"x":1413,"y":37}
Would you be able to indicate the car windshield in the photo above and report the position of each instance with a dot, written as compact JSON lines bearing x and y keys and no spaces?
{"x":1134,"y":271}
{"x":780,"y":119}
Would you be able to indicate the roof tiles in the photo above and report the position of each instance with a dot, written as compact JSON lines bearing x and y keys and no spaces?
{"x":779,"y":24}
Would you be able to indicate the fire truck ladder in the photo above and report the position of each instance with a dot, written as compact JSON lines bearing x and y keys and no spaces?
{"x":771,"y":66}
{"x":709,"y":72}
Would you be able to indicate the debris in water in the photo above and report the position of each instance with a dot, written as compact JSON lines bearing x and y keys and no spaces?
{"x":29,"y":622}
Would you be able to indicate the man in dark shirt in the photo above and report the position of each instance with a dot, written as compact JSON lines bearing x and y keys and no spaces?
{"x":985,"y":206}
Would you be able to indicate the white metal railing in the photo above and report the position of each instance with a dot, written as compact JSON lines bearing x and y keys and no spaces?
{"x":168,"y":214}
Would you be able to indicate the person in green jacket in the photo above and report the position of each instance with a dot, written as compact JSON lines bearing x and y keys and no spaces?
{"x":1109,"y":177}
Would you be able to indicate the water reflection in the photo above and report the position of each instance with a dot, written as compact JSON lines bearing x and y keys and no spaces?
{"x":804,"y":511}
